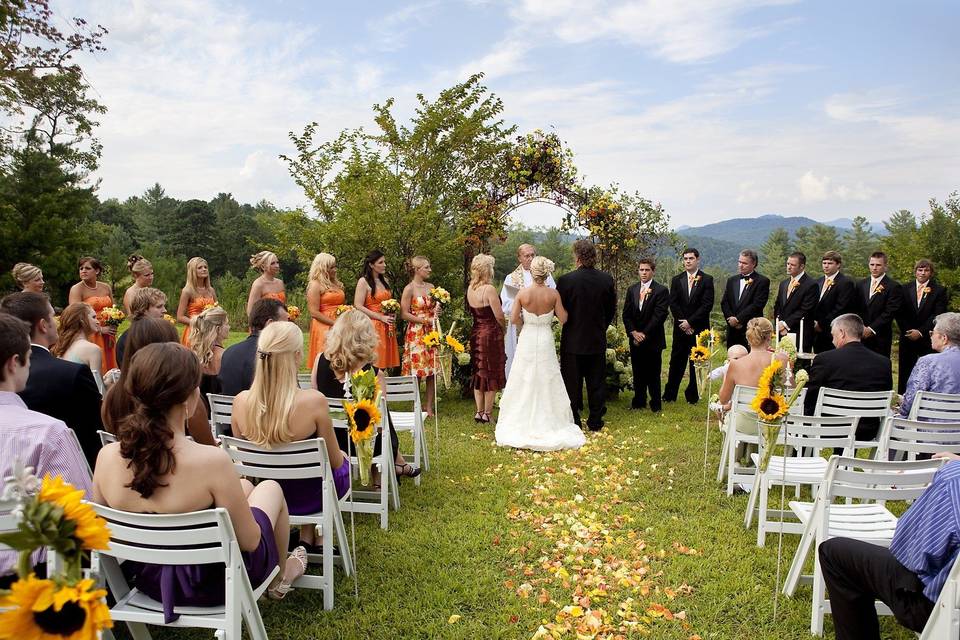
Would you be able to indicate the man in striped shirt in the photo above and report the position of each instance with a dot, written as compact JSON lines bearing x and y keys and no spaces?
{"x":908,"y":576}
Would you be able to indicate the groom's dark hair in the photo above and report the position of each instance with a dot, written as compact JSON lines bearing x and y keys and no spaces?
{"x":586,"y":253}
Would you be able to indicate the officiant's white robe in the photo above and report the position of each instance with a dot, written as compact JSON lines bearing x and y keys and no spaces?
{"x":507,"y":295}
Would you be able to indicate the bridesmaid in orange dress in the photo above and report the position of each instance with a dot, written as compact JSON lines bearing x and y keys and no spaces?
{"x":372,"y":290}
{"x":98,"y":295}
{"x":142,"y":272}
{"x":420,"y":312}
{"x":28,"y":277}
{"x":195,"y":295}
{"x":324,"y":294}
{"x":267,"y":285}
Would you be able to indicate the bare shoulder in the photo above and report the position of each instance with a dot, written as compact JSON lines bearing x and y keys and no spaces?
{"x":311,"y":399}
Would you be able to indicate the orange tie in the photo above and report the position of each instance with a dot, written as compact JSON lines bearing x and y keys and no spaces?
{"x":919,"y":293}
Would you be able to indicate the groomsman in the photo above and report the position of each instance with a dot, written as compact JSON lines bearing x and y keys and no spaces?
{"x":744,"y":298}
{"x":691,"y":301}
{"x":879,"y":299}
{"x":644,"y":312}
{"x":836,"y":297}
{"x":922,"y":301}
{"x":796,"y":301}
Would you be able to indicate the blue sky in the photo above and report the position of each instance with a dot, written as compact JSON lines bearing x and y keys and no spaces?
{"x":714,"y":108}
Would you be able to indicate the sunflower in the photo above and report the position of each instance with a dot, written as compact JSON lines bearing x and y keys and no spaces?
{"x":363,"y":416}
{"x":770,"y":407}
{"x":454,"y":344}
{"x":39,"y":610}
{"x":91,"y":530}
{"x":431,"y":339}
{"x":699,"y":354}
{"x":705,"y":336}
{"x":768,"y":379}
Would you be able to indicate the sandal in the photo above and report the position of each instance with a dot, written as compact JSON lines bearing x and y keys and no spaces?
{"x":406,"y":470}
{"x":484,"y":418}
{"x":478,"y":416}
{"x":282,"y":588}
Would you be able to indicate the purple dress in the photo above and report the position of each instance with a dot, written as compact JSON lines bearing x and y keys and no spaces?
{"x":306,"y":496}
{"x":487,"y":351}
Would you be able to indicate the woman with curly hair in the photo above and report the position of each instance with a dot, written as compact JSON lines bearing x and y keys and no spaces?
{"x":208,"y":332}
{"x":196,"y":295}
{"x":267,"y":285}
{"x":486,"y":337}
{"x":76,"y":323}
{"x":142,"y":272}
{"x":28,"y":277}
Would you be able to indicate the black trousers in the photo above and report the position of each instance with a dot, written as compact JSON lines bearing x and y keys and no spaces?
{"x":680,"y":364}
{"x":857,"y":574}
{"x":910,"y":352}
{"x":577,"y":368}
{"x":646,"y":364}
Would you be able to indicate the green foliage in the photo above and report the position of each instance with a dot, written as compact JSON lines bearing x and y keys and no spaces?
{"x":859,"y":242}
{"x":550,"y":242}
{"x":815,"y":241}
{"x":232,"y":293}
{"x":902,"y":244}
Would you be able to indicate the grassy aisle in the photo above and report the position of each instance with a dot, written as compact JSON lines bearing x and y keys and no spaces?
{"x":623,"y":538}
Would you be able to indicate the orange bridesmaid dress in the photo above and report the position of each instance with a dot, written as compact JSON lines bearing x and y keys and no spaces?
{"x":329,"y":302}
{"x":388,"y":353}
{"x":193,"y":310}
{"x":279,"y":295}
{"x":107,"y":343}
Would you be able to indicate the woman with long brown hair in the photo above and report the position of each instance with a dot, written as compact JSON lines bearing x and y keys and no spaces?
{"x":196,"y":295}
{"x":76,"y":323}
{"x":98,"y":295}
{"x":142,"y":271}
{"x":209,"y":331}
{"x":372,"y":290}
{"x":324,"y":294}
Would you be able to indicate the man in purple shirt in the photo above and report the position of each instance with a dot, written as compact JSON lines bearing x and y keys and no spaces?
{"x":939,"y":372}
{"x":35,"y":439}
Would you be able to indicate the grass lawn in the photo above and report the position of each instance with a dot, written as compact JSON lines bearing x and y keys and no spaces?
{"x":496,"y":543}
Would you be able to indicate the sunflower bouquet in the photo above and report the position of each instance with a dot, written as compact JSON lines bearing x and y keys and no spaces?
{"x":169,"y":318}
{"x":707,"y":346}
{"x":771,"y":405}
{"x":52,"y":515}
{"x":391,"y":307}
{"x":363,"y":415}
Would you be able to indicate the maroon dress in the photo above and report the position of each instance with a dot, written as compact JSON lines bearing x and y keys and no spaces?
{"x":486,"y":351}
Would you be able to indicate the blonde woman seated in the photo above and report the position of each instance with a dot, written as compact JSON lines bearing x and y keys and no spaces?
{"x":276,"y":410}
{"x":208,"y":332}
{"x":77,"y":322}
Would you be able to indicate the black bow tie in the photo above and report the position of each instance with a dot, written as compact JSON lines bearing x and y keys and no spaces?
{"x":747,"y":277}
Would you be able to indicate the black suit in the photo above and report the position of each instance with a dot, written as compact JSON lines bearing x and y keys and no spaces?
{"x":65,"y":390}
{"x":695,"y":308}
{"x":919,"y":315}
{"x":646,"y":357}
{"x":237,"y":365}
{"x":852,"y":367}
{"x":878,"y":312}
{"x":799,"y":305}
{"x":590,"y":298}
{"x":745,"y":307}
{"x":836,"y":301}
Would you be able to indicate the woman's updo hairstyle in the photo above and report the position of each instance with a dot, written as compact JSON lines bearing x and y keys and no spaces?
{"x":541,"y":268}
{"x":260,"y":261}
{"x":138,"y":265}
{"x":416,"y":262}
{"x":24,"y":272}
{"x":351,"y":343}
{"x":759,"y":331}
{"x":161,"y":376}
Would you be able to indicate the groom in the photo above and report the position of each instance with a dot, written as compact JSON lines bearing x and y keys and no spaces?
{"x":590,"y":298}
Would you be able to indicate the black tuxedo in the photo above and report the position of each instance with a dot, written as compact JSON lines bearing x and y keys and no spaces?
{"x":646,"y":356}
{"x":237,"y":365}
{"x":836,"y":301}
{"x":695,"y":308}
{"x":65,"y":390}
{"x":879,"y":312}
{"x":590,"y":298}
{"x":799,"y":305}
{"x":746,"y":307}
{"x":852,"y":367}
{"x":919,"y":315}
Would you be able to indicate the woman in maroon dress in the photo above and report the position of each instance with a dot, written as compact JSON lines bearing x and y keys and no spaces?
{"x":486,"y":338}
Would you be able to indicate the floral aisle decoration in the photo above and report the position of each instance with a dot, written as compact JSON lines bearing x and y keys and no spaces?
{"x":772,"y":404}
{"x":363,"y":416}
{"x":619,"y":373}
{"x":447,"y":347}
{"x":52,"y":515}
{"x":702,"y":353}
{"x":391,"y":307}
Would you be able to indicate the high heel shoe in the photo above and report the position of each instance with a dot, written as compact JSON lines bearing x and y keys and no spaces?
{"x":484,"y":418}
{"x":478,"y":416}
{"x":282,"y":588}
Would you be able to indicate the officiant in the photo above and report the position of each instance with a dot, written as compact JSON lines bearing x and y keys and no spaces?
{"x":512,"y":284}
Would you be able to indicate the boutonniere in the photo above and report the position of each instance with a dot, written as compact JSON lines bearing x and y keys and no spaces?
{"x":926,"y":290}
{"x":646,"y":292}
{"x":829,"y":284}
{"x":879,"y":289}
{"x":794,"y":285}
{"x":747,"y":282}
{"x":696,"y":279}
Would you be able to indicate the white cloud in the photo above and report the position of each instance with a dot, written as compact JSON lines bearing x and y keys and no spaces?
{"x":815,"y":188}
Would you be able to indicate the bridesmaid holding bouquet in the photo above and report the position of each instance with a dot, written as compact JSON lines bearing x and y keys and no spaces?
{"x":98,"y":295}
{"x":372,"y":290}
{"x":324,"y":294}
{"x":420,"y":312}
{"x":267,"y":285}
{"x":196,"y":294}
{"x":142,"y":272}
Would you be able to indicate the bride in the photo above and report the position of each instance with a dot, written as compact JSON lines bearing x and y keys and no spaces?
{"x":535,"y":410}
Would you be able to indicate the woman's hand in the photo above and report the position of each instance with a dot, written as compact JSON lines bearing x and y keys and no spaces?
{"x":387,"y":320}
{"x":109,"y":330}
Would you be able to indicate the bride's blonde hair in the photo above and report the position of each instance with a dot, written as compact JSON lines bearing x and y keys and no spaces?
{"x":541,"y":268}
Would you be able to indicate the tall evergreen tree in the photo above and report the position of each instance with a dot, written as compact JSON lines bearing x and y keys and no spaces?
{"x":859,"y":242}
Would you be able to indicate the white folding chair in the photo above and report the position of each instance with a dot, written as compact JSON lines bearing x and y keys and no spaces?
{"x":944,"y":620}
{"x":407,"y":389}
{"x":200,"y":537}
{"x":303,"y":379}
{"x":377,"y":501}
{"x":221,"y":413}
{"x":910,"y":437}
{"x":98,"y":379}
{"x":929,"y":406}
{"x":806,"y":436}
{"x":866,"y":404}
{"x":873,"y":482}
{"x":106,"y":437}
{"x":8,"y":523}
{"x":293,"y":461}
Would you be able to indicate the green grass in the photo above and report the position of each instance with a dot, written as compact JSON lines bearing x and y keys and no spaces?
{"x":628,"y":516}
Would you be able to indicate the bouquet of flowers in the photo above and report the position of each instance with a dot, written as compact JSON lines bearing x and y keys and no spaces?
{"x":294,"y":312}
{"x":111,"y":315}
{"x":708,"y":344}
{"x":771,"y":405}
{"x":52,"y":515}
{"x":788,"y":346}
{"x":440,"y":295}
{"x":169,"y":318}
{"x":391,"y":307}
{"x":341,"y":309}
{"x":363,"y":415}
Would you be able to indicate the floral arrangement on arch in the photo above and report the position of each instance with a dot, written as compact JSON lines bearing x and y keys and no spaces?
{"x":484,"y":221}
{"x":539,"y":159}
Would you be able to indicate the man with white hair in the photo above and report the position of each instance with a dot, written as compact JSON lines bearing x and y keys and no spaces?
{"x":512,"y":284}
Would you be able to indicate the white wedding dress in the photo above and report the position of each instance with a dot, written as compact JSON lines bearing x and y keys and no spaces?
{"x":535,"y":410}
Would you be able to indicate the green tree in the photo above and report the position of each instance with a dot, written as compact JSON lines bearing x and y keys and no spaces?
{"x":859,"y":242}
{"x":939,"y":237}
{"x":816,"y":240}
{"x":236,"y":235}
{"x":902,"y":244}
{"x":153,"y":212}
{"x":113,"y":245}
{"x":774,"y":252}
{"x":189,"y":232}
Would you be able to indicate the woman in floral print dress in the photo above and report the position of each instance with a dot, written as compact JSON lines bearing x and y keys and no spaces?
{"x":420,"y":312}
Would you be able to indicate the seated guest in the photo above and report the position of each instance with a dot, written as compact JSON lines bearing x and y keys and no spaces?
{"x":207,"y":334}
{"x":850,"y":366}
{"x":154,"y":468}
{"x":907,"y":577}
{"x":351,"y":346}
{"x":939,"y":372}
{"x":33,"y":439}
{"x":118,"y":404}
{"x":735,"y":352}
{"x":237,"y":363}
{"x":276,"y":410}
{"x":60,"y":389}
{"x":77,"y":322}
{"x":146,"y":303}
